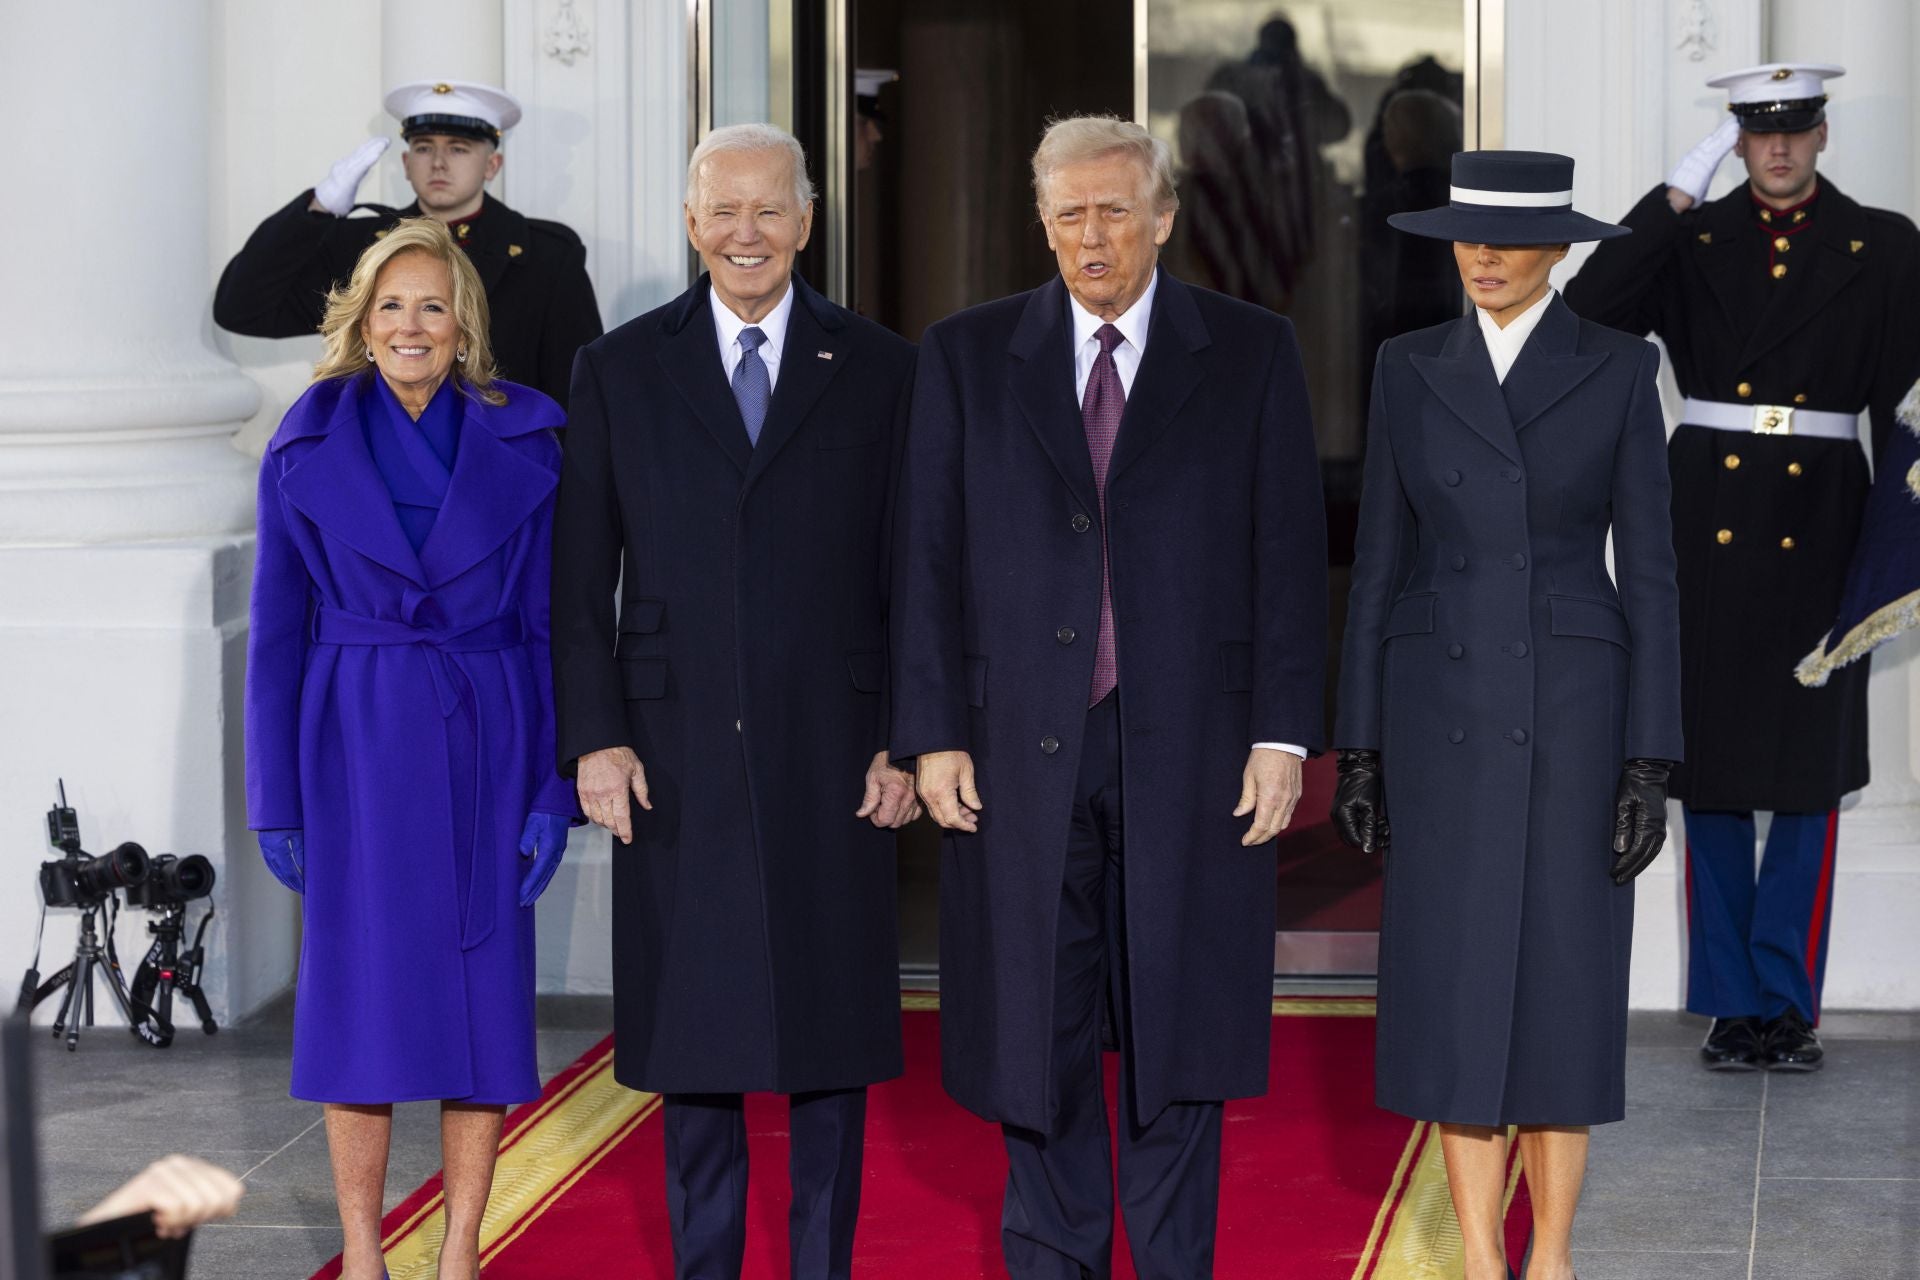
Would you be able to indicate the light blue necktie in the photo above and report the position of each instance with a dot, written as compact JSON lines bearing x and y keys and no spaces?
{"x":752,"y":389}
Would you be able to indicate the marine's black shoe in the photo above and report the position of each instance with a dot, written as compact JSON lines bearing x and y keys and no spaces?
{"x":1790,"y":1044}
{"x":1733,"y":1044}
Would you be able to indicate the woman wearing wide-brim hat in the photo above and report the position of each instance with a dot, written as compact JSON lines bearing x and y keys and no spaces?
{"x":1509,"y":710}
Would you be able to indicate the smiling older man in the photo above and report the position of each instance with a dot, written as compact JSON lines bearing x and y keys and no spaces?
{"x":727,"y":467}
{"x":1109,"y":601}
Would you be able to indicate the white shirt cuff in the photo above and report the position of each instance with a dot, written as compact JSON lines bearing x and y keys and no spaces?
{"x":1281,"y":746}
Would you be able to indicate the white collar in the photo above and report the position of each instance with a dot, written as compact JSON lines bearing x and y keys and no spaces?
{"x":727,"y":325}
{"x":1132,"y":323}
{"x":1504,"y":345}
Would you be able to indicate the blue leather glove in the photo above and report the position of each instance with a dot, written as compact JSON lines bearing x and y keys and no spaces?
{"x":543,"y":839}
{"x":285,"y":850}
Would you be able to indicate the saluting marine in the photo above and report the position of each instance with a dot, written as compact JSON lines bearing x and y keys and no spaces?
{"x":535,"y":271}
{"x":1786,"y":308}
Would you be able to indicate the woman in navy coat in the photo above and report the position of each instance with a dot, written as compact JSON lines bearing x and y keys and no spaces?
{"x":400,"y":762}
{"x":1509,"y":710}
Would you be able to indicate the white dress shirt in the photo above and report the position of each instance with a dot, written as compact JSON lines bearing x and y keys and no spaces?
{"x":1504,"y":344}
{"x":727,"y":327}
{"x":1132,"y":324}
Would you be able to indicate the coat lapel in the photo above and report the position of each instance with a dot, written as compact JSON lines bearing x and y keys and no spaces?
{"x":811,"y":355}
{"x":690,"y":358}
{"x":1462,"y":377}
{"x":1811,"y":283}
{"x":500,"y":237}
{"x":1549,"y":365}
{"x":337,"y":486}
{"x":1718,"y":251}
{"x":493,"y":490}
{"x":1169,"y":371}
{"x":1042,"y":383}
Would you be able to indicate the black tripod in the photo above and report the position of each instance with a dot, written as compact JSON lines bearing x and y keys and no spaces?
{"x":90,"y":957}
{"x":165,"y":970}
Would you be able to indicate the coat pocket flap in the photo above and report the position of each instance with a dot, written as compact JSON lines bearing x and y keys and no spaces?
{"x":1236,"y":666}
{"x":643,"y":617}
{"x":868,"y":669}
{"x":644,"y":677}
{"x":1595,"y":619}
{"x":976,"y":681}
{"x":1410,"y":616}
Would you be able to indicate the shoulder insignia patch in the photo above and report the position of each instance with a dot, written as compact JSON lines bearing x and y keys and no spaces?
{"x":1706,"y":237}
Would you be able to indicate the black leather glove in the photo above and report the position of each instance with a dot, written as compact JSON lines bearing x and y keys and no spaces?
{"x":1639,"y":817}
{"x":1359,"y":802}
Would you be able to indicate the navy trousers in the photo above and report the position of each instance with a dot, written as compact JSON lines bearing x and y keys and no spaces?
{"x":1058,"y":1220}
{"x":1757,"y":945}
{"x":706,"y":1141}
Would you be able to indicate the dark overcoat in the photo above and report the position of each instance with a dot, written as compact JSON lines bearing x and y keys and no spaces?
{"x":754,"y":938}
{"x":399,"y":711}
{"x":534,"y":272}
{"x":1217,"y":539}
{"x":1505,"y":678}
{"x":1765,"y":525}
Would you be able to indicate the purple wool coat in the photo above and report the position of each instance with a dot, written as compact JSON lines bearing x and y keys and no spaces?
{"x":399,"y":711}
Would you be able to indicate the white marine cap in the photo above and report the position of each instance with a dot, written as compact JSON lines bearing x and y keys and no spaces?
{"x":1779,"y":97}
{"x":867,"y":81}
{"x":457,"y":107}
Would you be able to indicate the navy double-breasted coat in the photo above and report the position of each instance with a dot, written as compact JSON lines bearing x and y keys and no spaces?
{"x":754,"y":936}
{"x":1217,"y":538}
{"x":1505,"y":678}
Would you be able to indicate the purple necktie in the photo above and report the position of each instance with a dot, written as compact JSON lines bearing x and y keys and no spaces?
{"x":1100,"y":412}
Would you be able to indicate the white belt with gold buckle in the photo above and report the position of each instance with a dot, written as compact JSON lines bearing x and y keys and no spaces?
{"x":1771,"y":419}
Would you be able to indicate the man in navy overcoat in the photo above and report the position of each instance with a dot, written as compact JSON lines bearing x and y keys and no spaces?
{"x":1109,"y":615}
{"x":728,"y":468}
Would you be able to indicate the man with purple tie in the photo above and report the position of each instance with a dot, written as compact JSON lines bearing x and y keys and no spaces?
{"x":1109,"y":600}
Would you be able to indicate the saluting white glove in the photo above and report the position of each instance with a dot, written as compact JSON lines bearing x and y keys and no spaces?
{"x":335,"y":193}
{"x":1695,"y":171}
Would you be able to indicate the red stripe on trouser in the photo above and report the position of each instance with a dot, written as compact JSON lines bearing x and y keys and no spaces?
{"x":1822,"y":909}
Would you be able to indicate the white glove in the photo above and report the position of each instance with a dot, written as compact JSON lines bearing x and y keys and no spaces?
{"x":335,"y":193}
{"x":1695,"y":171}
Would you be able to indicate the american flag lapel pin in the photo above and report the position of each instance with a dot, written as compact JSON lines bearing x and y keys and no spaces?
{"x":824,"y":355}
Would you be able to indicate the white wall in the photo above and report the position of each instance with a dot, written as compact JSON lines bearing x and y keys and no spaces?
{"x":1621,"y":88}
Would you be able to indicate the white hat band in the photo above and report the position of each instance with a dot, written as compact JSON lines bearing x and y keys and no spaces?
{"x":1513,"y":199}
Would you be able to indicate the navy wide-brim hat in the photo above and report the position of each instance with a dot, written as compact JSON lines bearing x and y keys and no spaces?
{"x":1509,"y":197}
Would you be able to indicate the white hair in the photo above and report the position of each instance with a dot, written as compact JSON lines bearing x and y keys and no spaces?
{"x":750,"y":137}
{"x":1078,"y":138}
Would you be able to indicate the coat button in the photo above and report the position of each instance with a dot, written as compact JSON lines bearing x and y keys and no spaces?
{"x":1794,"y":468}
{"x":1520,"y":648}
{"x":1456,"y":651}
{"x":1723,"y":537}
{"x":1081,"y":523}
{"x":1064,"y":635}
{"x":1049,"y":744}
{"x":1800,"y":397}
{"x":1786,"y":544}
{"x":1517,"y":560}
{"x":1512,"y":474}
{"x":1459,"y":562}
{"x":1453,"y":477}
{"x":1731,"y":462}
{"x":1745,"y":389}
{"x":1456,"y":735}
{"x":1519,"y":737}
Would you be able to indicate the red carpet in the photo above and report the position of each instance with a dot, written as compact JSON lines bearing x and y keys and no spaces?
{"x":1318,"y":1184}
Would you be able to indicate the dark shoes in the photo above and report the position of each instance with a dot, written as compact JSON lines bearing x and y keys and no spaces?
{"x":1733,"y":1044}
{"x":1790,"y":1044}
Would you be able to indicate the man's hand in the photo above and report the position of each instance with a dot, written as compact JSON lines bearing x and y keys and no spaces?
{"x":335,"y":193}
{"x":1269,"y":789}
{"x":603,"y":780}
{"x":945,"y":782}
{"x":889,"y":800}
{"x":181,"y":1192}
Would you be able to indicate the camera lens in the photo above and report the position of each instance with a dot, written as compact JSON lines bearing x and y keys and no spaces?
{"x":116,"y":869}
{"x":171,"y":879}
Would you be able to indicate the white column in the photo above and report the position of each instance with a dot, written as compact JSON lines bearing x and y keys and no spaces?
{"x":124,"y":509}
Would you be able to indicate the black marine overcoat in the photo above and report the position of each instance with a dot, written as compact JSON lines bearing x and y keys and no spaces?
{"x":754,"y":942}
{"x":1504,"y":678}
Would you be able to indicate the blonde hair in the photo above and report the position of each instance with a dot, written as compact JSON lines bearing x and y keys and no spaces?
{"x":1076,"y":138}
{"x":349,"y":303}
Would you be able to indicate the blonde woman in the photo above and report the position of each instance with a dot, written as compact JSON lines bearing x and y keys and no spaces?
{"x":400,"y":764}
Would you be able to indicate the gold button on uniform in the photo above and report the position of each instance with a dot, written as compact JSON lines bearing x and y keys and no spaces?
{"x":1779,"y":269}
{"x":1801,"y":398}
{"x":1794,"y":468}
{"x":1766,"y":215}
{"x":1782,"y":243}
{"x":1745,"y":389}
{"x":1732,"y":462}
{"x":1786,"y":544}
{"x":1723,"y":537}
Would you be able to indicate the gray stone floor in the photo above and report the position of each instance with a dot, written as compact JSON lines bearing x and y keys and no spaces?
{"x":1752,"y":1177}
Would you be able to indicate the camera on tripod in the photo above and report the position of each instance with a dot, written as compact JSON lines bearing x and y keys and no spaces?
{"x":92,"y":883}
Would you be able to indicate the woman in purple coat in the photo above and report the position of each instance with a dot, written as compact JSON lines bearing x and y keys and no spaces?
{"x":400,"y":762}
